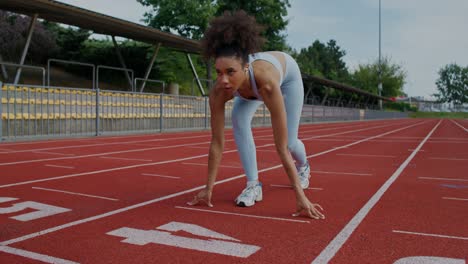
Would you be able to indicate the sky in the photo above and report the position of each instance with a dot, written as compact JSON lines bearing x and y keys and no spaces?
{"x":421,"y":36}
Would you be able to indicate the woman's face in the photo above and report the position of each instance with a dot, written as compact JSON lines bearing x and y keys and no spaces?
{"x":231,"y":73}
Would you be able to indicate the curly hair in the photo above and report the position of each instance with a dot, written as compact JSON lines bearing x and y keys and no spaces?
{"x":232,"y":34}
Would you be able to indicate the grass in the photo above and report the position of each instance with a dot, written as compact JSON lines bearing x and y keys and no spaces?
{"x":439,"y":115}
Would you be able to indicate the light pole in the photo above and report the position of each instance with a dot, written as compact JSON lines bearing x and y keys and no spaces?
{"x":380,"y":59}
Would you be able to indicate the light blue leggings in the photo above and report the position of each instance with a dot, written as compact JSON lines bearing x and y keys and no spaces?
{"x":244,"y":110}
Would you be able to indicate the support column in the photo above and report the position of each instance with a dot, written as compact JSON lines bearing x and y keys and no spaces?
{"x":26,"y":47}
{"x":150,"y":66}
{"x":200,"y":87}
{"x":4,"y":72}
{"x":121,"y":59}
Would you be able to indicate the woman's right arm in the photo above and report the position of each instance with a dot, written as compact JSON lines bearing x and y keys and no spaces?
{"x":217,"y":137}
{"x":217,"y":103}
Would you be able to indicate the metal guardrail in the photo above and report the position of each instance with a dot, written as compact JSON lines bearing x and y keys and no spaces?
{"x":27,"y":67}
{"x":71,"y":62}
{"x":50,"y":112}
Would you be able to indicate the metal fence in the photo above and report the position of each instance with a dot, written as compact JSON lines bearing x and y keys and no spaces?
{"x":30,"y":112}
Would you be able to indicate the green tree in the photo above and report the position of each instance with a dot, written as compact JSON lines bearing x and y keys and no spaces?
{"x":366,"y":77}
{"x":323,"y":60}
{"x":452,"y":84}
{"x":190,"y":18}
{"x":187,"y":18}
{"x":70,"y":40}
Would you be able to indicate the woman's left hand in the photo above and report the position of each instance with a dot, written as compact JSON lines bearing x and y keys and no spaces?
{"x":310,"y":209}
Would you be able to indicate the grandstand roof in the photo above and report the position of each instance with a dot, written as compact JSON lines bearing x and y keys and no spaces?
{"x":98,"y":23}
{"x":341,"y":86}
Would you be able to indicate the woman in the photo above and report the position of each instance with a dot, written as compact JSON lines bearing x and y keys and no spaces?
{"x":252,"y":78}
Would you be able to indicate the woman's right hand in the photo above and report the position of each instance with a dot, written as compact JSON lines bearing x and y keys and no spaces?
{"x":204,"y":195}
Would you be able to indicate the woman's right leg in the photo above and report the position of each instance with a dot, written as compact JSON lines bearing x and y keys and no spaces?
{"x":242,"y":114}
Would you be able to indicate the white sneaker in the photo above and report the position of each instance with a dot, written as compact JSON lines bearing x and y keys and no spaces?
{"x":304,"y":175}
{"x":250,"y":195}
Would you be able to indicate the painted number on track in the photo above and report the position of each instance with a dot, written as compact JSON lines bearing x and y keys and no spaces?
{"x":41,"y":210}
{"x":212,"y":244}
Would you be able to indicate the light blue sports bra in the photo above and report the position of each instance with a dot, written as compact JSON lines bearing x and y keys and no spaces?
{"x":266,"y":57}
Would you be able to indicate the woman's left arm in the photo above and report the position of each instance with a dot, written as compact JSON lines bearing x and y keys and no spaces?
{"x":270,"y":91}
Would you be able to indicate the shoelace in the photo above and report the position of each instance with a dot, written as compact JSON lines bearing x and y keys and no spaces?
{"x":247,"y":190}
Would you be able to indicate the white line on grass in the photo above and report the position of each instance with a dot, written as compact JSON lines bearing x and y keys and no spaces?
{"x":332,"y":248}
{"x":75,"y":193}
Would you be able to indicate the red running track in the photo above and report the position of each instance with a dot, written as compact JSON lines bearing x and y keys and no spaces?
{"x":394,"y":191}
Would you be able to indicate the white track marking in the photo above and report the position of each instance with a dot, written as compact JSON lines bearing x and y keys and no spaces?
{"x":53,"y":153}
{"x":117,"y":158}
{"x":442,"y":179}
{"x":155,"y":148}
{"x":343,"y":173}
{"x":190,"y":158}
{"x":367,"y":155}
{"x":75,"y":193}
{"x":335,"y":245}
{"x":431,"y":235}
{"x":205,"y":164}
{"x":35,"y":256}
{"x":455,"y":198}
{"x":462,"y":127}
{"x":134,"y":206}
{"x":59,"y":166}
{"x":289,"y":186}
{"x":244,"y":215}
{"x":158,"y":175}
{"x":451,"y":159}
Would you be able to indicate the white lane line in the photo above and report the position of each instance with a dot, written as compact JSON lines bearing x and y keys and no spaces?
{"x":134,"y":206}
{"x":244,"y":215}
{"x":117,"y":158}
{"x":205,"y":164}
{"x":164,"y":147}
{"x":35,"y":256}
{"x":194,"y":147}
{"x":53,"y":153}
{"x":75,"y":193}
{"x":289,"y":186}
{"x":442,"y":179}
{"x":343,"y":173}
{"x":367,"y":155}
{"x":158,"y":175}
{"x":329,"y":252}
{"x":455,"y":198}
{"x":462,"y":127}
{"x":451,"y":159}
{"x":432,"y":235}
{"x":58,"y":166}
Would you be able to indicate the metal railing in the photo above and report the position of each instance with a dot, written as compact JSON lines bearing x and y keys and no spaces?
{"x":30,"y":112}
